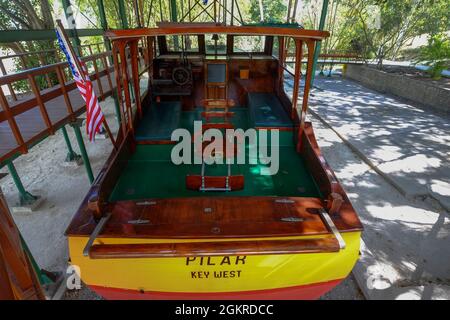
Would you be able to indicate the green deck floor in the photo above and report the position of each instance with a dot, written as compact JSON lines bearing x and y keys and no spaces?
{"x":151,"y":174}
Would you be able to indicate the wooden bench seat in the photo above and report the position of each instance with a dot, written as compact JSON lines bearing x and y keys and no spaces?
{"x":159,"y":121}
{"x":266,"y":111}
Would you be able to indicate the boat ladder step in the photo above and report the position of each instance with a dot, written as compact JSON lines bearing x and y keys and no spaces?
{"x":205,"y":183}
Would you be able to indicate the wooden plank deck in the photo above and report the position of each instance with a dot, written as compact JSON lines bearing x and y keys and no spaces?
{"x":31,"y":123}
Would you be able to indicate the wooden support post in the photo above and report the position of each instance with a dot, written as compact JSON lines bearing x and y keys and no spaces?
{"x":99,"y":82}
{"x":12,"y":122}
{"x":309,"y":71}
{"x":10,"y":87}
{"x":119,"y":88}
{"x":150,"y":44}
{"x":44,"y":63}
{"x":84,"y":155}
{"x":126,"y":80}
{"x":18,"y":277}
{"x":297,"y":76}
{"x":135,"y":75}
{"x":6,"y":289}
{"x":113,"y":92}
{"x":108,"y":74}
{"x":281,"y":62}
{"x":41,"y":104}
{"x":108,"y":131}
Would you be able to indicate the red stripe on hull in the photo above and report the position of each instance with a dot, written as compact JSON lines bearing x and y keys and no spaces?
{"x":306,"y":292}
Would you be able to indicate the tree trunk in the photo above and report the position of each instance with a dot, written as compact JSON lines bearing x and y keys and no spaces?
{"x":24,"y":15}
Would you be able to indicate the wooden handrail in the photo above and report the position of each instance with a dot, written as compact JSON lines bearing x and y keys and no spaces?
{"x":23,"y":75}
{"x":25,"y":105}
{"x":41,"y":104}
{"x":18,"y":55}
{"x":12,"y":122}
{"x":39,"y":98}
{"x":218,"y":248}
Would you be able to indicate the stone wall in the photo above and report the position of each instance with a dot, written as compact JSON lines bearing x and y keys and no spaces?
{"x":425,"y":93}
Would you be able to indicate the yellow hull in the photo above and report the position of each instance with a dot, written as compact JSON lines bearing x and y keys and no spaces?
{"x":213,"y":274}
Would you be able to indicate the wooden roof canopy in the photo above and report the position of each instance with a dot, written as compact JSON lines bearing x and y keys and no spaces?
{"x":122,"y":38}
{"x":186,"y":29}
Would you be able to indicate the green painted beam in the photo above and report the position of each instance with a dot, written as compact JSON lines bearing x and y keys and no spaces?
{"x":102,"y":14}
{"x":8,"y":36}
{"x":104,"y":24}
{"x":174,"y":18}
{"x":25,"y":198}
{"x":43,"y":279}
{"x":84,"y":155}
{"x":71,"y":23}
{"x":71,"y":155}
{"x":323,"y":17}
{"x":123,"y":14}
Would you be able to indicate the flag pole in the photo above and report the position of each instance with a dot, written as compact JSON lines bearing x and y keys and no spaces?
{"x":60,"y":28}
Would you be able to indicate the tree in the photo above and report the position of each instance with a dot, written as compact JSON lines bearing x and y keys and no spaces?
{"x":273,"y":11}
{"x":436,"y":54}
{"x":28,"y":15}
{"x":401,"y":20}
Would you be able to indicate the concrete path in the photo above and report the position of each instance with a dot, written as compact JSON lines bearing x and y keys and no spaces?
{"x":409,"y":146}
{"x":392,"y":159}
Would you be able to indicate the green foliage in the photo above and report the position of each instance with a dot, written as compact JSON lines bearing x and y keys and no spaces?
{"x":399,"y":22}
{"x":274,"y":11}
{"x":436,"y":54}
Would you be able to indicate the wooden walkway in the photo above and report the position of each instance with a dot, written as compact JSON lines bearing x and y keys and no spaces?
{"x":32,"y":123}
{"x":39,"y":113}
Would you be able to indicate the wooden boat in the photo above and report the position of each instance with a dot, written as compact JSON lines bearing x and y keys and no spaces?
{"x":150,"y":229}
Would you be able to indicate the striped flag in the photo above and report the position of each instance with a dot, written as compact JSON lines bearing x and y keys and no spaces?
{"x":94,"y":113}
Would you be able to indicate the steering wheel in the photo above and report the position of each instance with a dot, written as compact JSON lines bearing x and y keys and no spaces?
{"x":181,"y":76}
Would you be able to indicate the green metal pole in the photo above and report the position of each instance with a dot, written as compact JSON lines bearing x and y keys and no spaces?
{"x":104,"y":23}
{"x":83,"y":151}
{"x":174,"y":18}
{"x":123,"y":17}
{"x":71,"y":155}
{"x":323,"y":17}
{"x":123,"y":14}
{"x":25,"y":198}
{"x":71,"y":23}
{"x":117,"y":107}
{"x":43,"y":279}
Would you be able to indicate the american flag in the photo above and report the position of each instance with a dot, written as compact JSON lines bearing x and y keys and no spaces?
{"x":95,"y":117}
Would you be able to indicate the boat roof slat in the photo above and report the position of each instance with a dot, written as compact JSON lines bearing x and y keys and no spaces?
{"x":300,"y":33}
